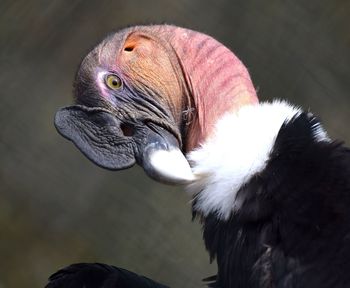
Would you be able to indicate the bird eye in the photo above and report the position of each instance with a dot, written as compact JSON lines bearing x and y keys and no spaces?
{"x":113,"y":81}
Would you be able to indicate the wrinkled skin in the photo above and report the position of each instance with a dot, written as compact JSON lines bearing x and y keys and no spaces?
{"x":164,"y":101}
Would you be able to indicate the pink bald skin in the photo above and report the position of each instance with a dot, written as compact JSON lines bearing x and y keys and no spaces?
{"x":217,"y":79}
{"x":197,"y":78}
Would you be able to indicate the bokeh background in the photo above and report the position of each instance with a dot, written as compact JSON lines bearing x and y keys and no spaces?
{"x":56,"y":207}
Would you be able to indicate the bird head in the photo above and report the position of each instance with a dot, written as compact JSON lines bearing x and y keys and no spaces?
{"x":148,"y":95}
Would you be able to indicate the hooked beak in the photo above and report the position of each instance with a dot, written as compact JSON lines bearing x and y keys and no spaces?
{"x":163,"y":161}
{"x":99,"y":135}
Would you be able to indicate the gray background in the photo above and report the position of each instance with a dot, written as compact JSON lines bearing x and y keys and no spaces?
{"x":56,"y":207}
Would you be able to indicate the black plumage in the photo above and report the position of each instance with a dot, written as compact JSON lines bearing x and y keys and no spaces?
{"x":293,"y":228}
{"x":88,"y":275}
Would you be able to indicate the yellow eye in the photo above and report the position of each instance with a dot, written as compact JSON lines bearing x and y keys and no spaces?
{"x":113,"y":81}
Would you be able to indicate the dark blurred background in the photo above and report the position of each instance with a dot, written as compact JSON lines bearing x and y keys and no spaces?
{"x":56,"y":207}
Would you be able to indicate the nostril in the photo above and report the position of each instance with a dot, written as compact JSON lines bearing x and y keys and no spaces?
{"x":127,"y":129}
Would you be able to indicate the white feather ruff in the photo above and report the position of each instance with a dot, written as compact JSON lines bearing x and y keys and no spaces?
{"x":238,"y":149}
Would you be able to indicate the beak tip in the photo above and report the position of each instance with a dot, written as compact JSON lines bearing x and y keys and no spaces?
{"x":170,"y":167}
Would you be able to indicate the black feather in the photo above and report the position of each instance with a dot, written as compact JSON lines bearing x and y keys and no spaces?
{"x":96,"y":275}
{"x":293,"y":229}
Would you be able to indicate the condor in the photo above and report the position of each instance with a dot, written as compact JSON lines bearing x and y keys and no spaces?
{"x":271,"y":189}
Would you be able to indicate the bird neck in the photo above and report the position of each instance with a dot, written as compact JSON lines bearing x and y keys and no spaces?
{"x":216,"y":82}
{"x":239,"y":149}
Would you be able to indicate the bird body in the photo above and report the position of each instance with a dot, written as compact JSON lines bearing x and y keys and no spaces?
{"x":269,"y":186}
{"x":280,"y":223}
